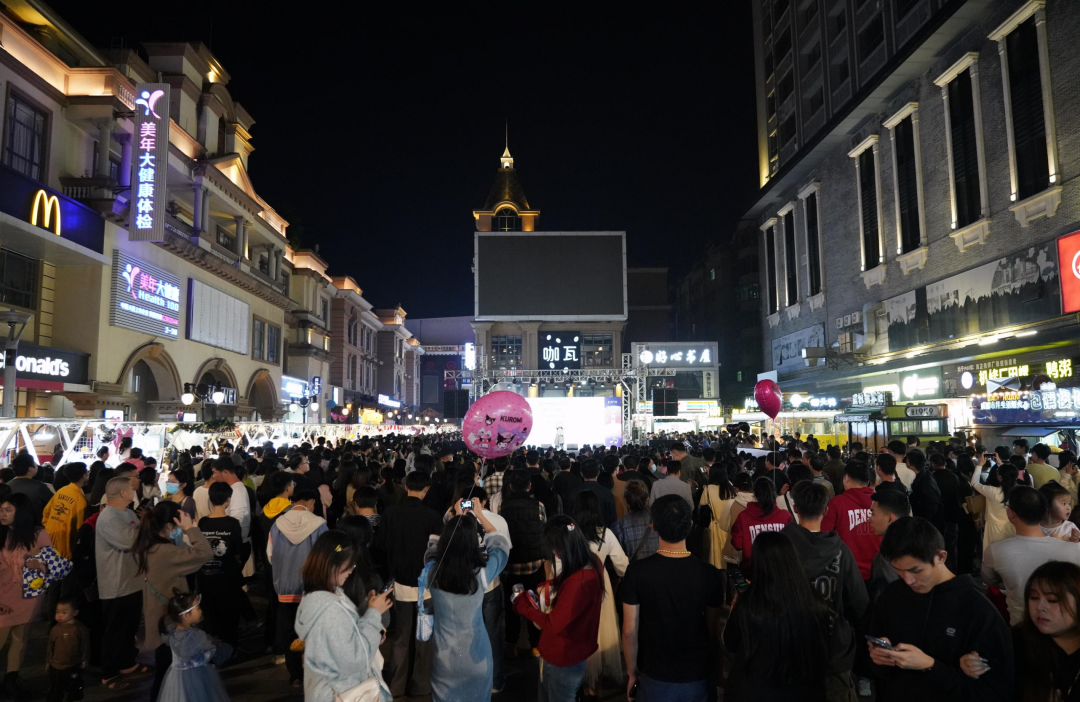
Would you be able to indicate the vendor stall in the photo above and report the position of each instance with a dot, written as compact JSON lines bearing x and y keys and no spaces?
{"x":873,"y":420}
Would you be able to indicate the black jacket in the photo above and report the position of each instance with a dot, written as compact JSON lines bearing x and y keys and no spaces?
{"x":603,"y":494}
{"x":926,"y":500}
{"x":522,"y":514}
{"x":563,"y":484}
{"x":892,"y":485}
{"x":949,"y":487}
{"x":833,"y":573}
{"x":403,"y":536}
{"x":950,"y":621}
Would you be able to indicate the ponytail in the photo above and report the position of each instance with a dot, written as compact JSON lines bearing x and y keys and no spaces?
{"x":765,"y":494}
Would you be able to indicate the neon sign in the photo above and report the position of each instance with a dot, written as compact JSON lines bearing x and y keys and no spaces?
{"x":147,"y":172}
{"x":52,"y":207}
{"x":144,"y":298}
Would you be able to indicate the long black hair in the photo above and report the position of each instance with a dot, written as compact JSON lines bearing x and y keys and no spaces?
{"x":564,"y":539}
{"x":588,"y":517}
{"x":718,"y":476}
{"x":784,"y":624}
{"x":152,"y":524}
{"x":364,"y":578}
{"x":766,"y":495}
{"x":1035,"y":679}
{"x":23,"y":530}
{"x":459,"y":557}
{"x":179,"y":604}
{"x":1008,"y":476}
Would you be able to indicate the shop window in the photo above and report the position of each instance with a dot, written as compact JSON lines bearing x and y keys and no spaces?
{"x":25,"y":137}
{"x":18,"y":280}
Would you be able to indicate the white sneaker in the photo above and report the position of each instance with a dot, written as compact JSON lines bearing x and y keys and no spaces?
{"x":863,"y":685}
{"x":279,"y":660}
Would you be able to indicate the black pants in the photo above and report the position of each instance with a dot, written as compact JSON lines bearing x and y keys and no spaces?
{"x":162,"y":663}
{"x":513,"y":619}
{"x":409,"y":662}
{"x":222,"y":604}
{"x":67,"y":681}
{"x":121,"y":622}
{"x":286,"y":634}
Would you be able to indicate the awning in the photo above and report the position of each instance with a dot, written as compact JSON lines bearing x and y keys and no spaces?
{"x":1036,"y":430}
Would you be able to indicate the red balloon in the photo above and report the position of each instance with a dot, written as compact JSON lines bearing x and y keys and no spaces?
{"x":769,"y":398}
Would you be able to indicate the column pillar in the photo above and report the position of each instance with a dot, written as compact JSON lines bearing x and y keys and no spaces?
{"x":238,"y":240}
{"x":277,"y":265}
{"x":206,"y":212}
{"x":105,"y":128}
{"x":125,"y":140}
{"x":197,"y":208}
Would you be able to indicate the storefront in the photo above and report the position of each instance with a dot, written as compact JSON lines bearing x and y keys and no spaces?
{"x":874,"y":420}
{"x":693,"y":415}
{"x":802,"y":413}
{"x":43,"y":376}
{"x":1047,"y":415}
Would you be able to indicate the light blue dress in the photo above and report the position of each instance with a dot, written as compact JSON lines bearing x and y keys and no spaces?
{"x":462,"y":667}
{"x":190,"y":678}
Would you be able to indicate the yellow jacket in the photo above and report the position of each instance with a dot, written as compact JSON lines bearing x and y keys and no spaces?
{"x":63,"y":516}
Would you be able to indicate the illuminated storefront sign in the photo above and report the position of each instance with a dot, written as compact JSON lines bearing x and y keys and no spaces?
{"x":560,"y":350}
{"x":151,"y":163}
{"x":872,"y":398}
{"x":1069,"y":263}
{"x":1049,"y":405}
{"x":470,"y":356}
{"x":685,"y":406}
{"x":387,"y":401}
{"x":293,"y":387}
{"x":921,"y":385}
{"x":799,"y":401}
{"x":44,"y":363}
{"x":46,"y":210}
{"x":144,"y":298}
{"x":978,"y":374}
{"x":688,"y":356}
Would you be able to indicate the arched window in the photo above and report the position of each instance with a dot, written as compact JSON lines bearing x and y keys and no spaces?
{"x":506,"y":220}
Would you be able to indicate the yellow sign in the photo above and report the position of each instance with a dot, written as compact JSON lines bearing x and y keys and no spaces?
{"x":1059,"y":369}
{"x":52,"y":207}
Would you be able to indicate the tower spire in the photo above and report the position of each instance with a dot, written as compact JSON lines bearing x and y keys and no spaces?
{"x":507,"y":161}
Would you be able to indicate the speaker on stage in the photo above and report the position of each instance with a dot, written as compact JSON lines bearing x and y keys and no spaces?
{"x":455,"y":403}
{"x":665,"y":402}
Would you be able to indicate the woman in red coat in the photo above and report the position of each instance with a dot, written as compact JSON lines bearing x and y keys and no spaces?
{"x":758,"y":517}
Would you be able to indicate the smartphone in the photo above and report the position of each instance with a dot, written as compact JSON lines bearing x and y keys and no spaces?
{"x":880,"y":643}
{"x":386,"y":588}
{"x":533,"y":598}
{"x":633,"y":691}
{"x":466,"y":504}
{"x":738,"y":579}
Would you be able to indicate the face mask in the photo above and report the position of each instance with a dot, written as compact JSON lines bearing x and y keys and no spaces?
{"x":176,"y":534}
{"x":172,"y":488}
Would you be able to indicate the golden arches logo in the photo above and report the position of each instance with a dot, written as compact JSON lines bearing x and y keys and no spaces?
{"x":52,"y":206}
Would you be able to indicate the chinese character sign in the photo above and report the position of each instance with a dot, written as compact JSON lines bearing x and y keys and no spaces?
{"x":150,"y":163}
{"x":560,"y":350}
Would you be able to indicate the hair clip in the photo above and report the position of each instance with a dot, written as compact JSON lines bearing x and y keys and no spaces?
{"x":337,"y":549}
{"x":570,"y":526}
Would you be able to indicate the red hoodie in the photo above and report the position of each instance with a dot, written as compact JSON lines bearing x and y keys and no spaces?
{"x":751,"y":522}
{"x":849,"y":516}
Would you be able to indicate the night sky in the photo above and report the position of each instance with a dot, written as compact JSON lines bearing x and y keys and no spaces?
{"x":379,"y":134}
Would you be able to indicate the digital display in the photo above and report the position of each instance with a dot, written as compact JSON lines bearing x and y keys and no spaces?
{"x":559,"y":350}
{"x":145,"y":298}
{"x":576,"y":421}
{"x":151,"y":162}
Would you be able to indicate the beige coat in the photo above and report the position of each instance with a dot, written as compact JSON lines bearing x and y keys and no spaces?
{"x":168,"y":566}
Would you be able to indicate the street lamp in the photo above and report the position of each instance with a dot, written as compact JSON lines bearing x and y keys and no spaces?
{"x":16,"y":322}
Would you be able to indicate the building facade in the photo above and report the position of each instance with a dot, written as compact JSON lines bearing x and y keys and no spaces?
{"x":308,"y":355}
{"x":134,"y":322}
{"x":918,"y":241}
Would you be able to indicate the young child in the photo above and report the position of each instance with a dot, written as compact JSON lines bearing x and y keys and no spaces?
{"x":1057,"y":522}
{"x":67,"y":653}
{"x":190,"y":677}
{"x":220,"y":578}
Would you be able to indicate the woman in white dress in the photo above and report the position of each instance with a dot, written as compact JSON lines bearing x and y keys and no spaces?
{"x":1002,"y":479}
{"x":607,"y":661}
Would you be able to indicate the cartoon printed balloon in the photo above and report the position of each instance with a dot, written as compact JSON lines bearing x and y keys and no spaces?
{"x":497,"y":424}
{"x":768,"y":396}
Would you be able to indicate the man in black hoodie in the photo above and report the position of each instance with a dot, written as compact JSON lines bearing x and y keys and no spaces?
{"x":925,"y":493}
{"x":833,"y":573}
{"x":931,"y":618}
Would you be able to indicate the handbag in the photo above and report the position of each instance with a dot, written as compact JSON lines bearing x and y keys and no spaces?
{"x":34,"y":582}
{"x":975,"y":504}
{"x":425,"y":619}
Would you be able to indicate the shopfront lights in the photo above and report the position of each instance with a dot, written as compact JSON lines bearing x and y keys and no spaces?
{"x":187,"y":398}
{"x":218,"y":397}
{"x":314,"y":406}
{"x":293,"y":407}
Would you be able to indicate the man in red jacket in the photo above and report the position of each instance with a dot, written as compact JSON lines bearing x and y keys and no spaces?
{"x":849,"y":516}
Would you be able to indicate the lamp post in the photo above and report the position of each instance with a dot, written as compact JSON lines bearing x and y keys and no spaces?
{"x":16,"y":322}
{"x":202,"y":392}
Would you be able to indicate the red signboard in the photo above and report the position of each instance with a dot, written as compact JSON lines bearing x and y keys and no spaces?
{"x":1069,"y":269}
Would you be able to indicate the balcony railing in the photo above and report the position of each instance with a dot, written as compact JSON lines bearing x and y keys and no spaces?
{"x":90,"y":188}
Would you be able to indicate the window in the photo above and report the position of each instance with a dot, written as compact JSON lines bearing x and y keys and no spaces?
{"x":350,"y":367}
{"x":785,"y":88}
{"x":114,"y":170}
{"x":770,"y":106}
{"x":870,"y":37}
{"x":904,"y":6}
{"x":965,"y":152}
{"x":597,"y":350}
{"x":770,"y":269}
{"x":869,"y":204}
{"x":838,"y":22}
{"x":506,"y":351}
{"x":25,"y":137}
{"x":325,"y":310}
{"x":766,"y":23}
{"x":224,"y":238}
{"x":813,"y":56}
{"x":813,"y":250}
{"x":780,"y":7}
{"x":907,"y":185}
{"x":809,"y":14}
{"x":1028,"y":118}
{"x":817,"y":101}
{"x":745,"y":293}
{"x":787,"y":131}
{"x":18,"y":280}
{"x":273,"y":343}
{"x":840,"y":72}
{"x":782,"y":44}
{"x":768,"y":65}
{"x":506,"y":220}
{"x":791,"y":261}
{"x":258,"y":340}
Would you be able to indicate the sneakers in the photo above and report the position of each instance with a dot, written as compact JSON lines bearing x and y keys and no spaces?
{"x":863,"y":685}
{"x":279,"y":660}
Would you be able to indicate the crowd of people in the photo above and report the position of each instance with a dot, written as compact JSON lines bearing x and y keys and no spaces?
{"x":674,"y":570}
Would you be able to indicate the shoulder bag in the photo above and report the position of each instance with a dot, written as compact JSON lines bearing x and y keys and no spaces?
{"x":371,"y":689}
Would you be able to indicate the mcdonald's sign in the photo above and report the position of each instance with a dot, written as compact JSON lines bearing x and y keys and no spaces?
{"x":51,"y":206}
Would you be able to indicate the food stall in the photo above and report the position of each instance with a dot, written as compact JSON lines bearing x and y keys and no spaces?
{"x":873,"y":420}
{"x":1047,"y":415}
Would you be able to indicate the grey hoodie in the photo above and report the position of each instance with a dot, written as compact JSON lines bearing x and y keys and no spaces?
{"x":290,"y":542}
{"x":340,"y":646}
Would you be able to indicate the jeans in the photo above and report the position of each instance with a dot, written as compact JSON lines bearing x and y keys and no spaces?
{"x":559,"y":684}
{"x":495,"y":623}
{"x":650,"y":690}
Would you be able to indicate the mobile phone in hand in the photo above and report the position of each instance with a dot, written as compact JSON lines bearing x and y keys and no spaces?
{"x":880,"y":643}
{"x":738,"y":579}
{"x":632,"y":695}
{"x":386,"y":588}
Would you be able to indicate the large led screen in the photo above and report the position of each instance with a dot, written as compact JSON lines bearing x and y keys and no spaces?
{"x":576,"y":421}
{"x":550,"y":275}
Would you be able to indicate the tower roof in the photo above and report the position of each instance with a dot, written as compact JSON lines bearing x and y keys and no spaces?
{"x":506,"y":187}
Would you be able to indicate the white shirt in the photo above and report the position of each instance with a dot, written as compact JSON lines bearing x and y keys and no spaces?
{"x":202,"y":502}
{"x":1010,"y":562}
{"x":905,"y":475}
{"x":240,"y":509}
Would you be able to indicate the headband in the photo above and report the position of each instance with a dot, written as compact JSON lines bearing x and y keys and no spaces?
{"x":198,"y":601}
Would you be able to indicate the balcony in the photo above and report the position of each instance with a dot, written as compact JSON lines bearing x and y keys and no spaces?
{"x":96,"y":193}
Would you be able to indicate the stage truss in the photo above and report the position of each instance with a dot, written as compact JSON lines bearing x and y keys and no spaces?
{"x":631,"y":376}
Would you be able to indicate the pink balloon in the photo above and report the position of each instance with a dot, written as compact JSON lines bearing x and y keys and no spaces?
{"x":497,"y":424}
{"x":769,"y":398}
